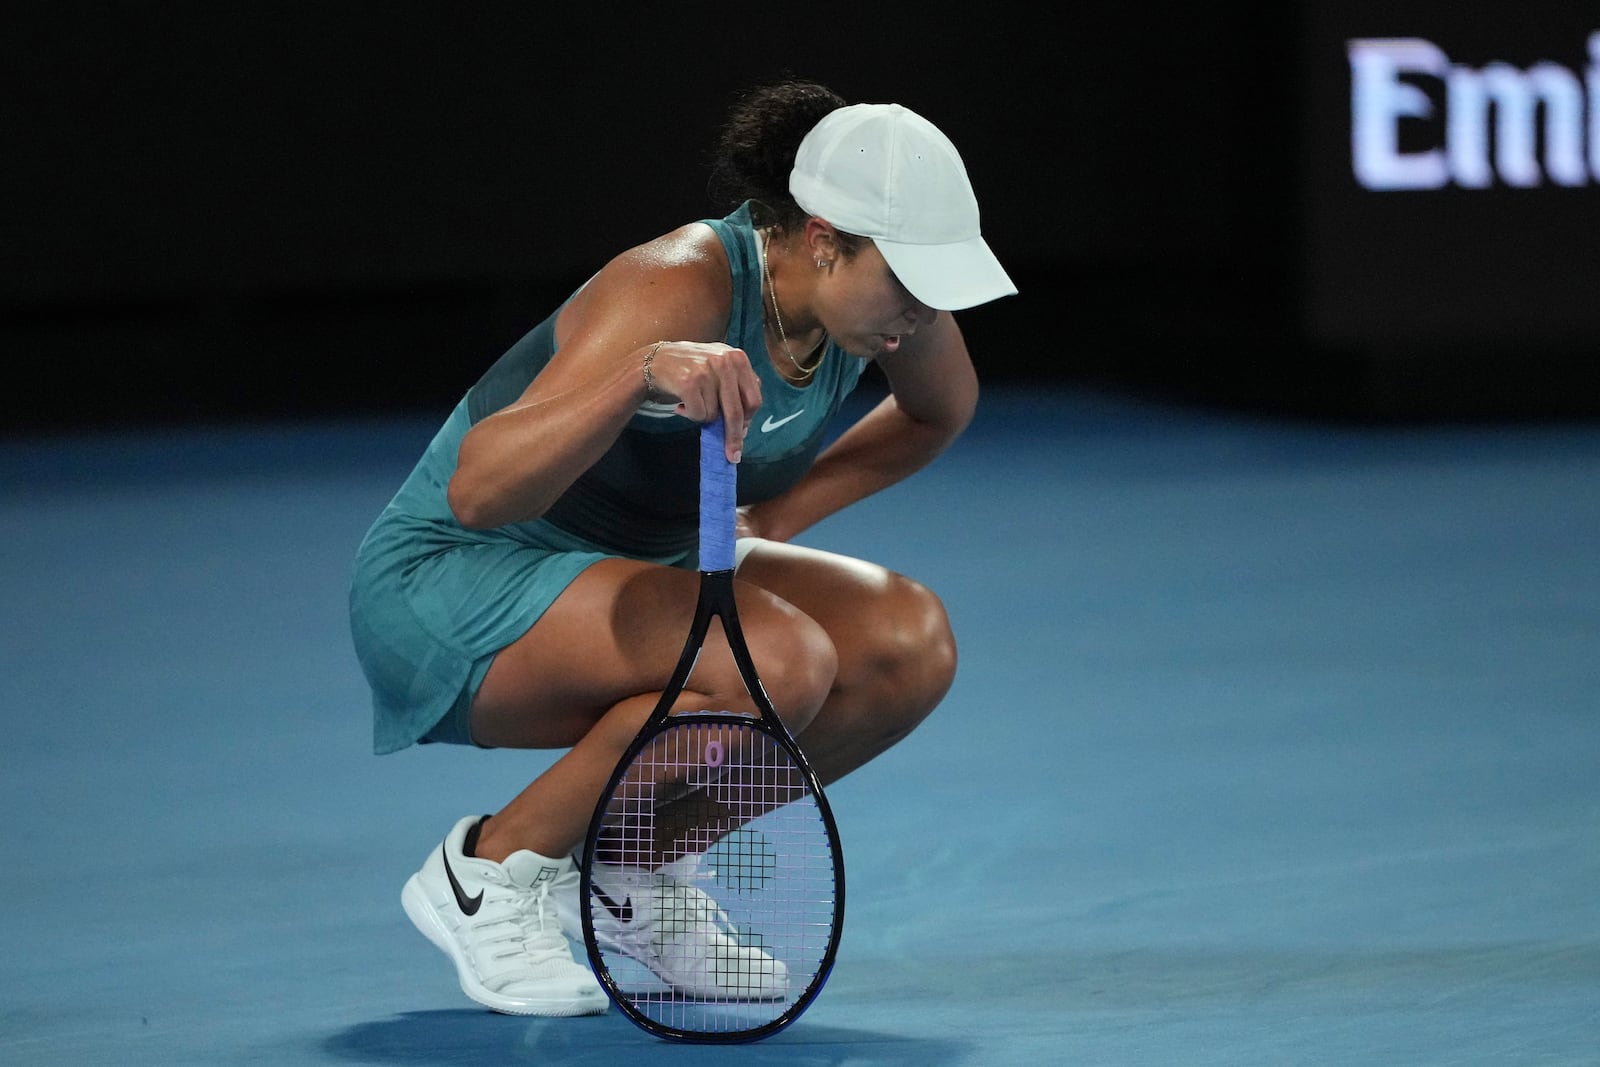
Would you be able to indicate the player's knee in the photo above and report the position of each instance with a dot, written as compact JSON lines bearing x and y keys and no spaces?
{"x":911,"y":663}
{"x":798,"y":672}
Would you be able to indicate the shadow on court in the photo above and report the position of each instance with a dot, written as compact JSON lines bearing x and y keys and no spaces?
{"x":478,"y":1037}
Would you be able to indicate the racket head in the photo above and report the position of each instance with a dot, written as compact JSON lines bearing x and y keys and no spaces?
{"x":754,"y":857}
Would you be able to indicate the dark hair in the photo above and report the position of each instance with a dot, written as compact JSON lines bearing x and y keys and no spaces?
{"x":757,"y":146}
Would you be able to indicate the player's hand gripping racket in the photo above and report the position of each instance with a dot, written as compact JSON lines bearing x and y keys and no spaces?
{"x":712,"y":880}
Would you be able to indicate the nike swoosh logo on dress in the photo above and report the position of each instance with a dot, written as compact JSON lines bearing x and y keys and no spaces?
{"x":771,"y":424}
{"x":468,"y":905}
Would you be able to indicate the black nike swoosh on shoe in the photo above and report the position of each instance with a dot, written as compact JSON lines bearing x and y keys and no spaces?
{"x":623,"y":911}
{"x":468,"y":905}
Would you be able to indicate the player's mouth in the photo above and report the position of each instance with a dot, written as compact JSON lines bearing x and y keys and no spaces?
{"x":891,"y":342}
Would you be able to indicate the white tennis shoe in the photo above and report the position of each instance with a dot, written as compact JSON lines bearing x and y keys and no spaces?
{"x":678,"y":931}
{"x":499,"y":925}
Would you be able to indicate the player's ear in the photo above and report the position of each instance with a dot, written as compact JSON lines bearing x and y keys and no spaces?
{"x":822,"y":241}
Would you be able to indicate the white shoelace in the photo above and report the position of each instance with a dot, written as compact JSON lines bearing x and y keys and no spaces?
{"x":528,"y":930}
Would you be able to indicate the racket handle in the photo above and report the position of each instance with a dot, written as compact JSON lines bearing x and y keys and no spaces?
{"x":718,"y":495}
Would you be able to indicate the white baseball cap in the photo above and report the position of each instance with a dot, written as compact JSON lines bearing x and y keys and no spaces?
{"x":883,"y":171}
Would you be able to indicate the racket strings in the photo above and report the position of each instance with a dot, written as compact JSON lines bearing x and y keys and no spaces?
{"x":723,"y":852}
{"x":693,"y":785}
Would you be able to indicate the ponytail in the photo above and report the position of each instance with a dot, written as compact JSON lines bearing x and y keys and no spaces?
{"x":757,"y":145}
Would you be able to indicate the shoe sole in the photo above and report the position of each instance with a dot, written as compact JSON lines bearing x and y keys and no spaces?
{"x":426,"y":919}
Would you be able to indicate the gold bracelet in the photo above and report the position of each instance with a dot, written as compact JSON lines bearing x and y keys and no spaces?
{"x":650,"y":379}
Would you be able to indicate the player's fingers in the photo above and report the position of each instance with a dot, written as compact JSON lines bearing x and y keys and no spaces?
{"x":715,"y":379}
{"x":698,"y":400}
{"x":734,"y":402}
{"x":750,"y":394}
{"x":697,"y":389}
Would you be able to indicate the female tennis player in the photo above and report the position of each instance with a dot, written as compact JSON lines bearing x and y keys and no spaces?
{"x":530,"y":583}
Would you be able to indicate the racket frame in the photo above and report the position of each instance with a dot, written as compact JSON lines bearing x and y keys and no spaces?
{"x":715,"y":600}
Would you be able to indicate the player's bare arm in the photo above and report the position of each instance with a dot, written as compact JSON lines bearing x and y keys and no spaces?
{"x":667,"y":300}
{"x":933,"y":393}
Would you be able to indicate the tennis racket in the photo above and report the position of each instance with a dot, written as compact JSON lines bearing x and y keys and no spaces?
{"x":712,"y":879}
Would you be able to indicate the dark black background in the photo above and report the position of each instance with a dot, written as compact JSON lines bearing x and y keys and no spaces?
{"x":227,"y":211}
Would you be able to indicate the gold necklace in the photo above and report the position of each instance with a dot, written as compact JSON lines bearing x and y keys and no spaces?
{"x":783,"y":338}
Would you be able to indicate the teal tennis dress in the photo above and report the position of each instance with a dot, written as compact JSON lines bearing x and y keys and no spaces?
{"x":431,"y":602}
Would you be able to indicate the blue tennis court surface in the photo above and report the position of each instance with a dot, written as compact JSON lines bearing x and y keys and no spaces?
{"x":1273,"y":743}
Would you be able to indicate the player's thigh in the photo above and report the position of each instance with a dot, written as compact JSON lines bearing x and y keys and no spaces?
{"x":617,"y":632}
{"x":887,"y":627}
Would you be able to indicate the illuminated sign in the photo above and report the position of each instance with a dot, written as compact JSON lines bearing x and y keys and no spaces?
{"x":1491,"y":128}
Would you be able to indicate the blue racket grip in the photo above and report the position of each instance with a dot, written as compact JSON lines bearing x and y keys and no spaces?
{"x":718,"y":496}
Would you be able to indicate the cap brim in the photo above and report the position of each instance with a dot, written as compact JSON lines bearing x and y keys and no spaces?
{"x":948,"y":277}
